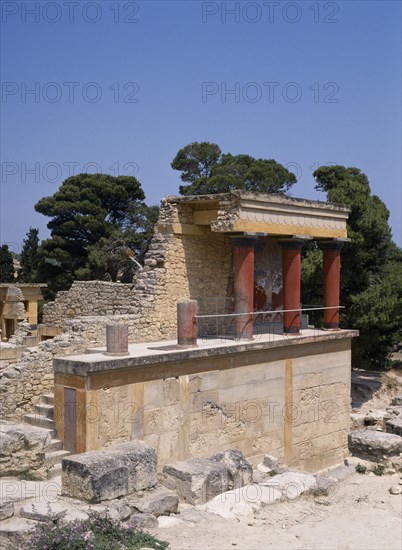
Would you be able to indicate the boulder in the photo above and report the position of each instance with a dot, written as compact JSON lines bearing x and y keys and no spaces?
{"x":22,"y":448}
{"x":196,"y":480}
{"x":95,"y":476}
{"x":240,"y":472}
{"x":394,"y":425}
{"x":374,"y":445}
{"x":159,"y":502}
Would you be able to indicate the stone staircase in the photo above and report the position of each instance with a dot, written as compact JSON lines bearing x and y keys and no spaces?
{"x":43,"y":417}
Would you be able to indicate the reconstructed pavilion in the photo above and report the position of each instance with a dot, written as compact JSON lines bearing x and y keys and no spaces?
{"x":286,"y":392}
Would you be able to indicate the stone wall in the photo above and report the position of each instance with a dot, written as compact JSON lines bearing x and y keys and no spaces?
{"x":23,"y":383}
{"x":89,"y":298}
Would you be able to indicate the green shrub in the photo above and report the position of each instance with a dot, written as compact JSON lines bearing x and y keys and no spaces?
{"x":360,"y":469}
{"x":98,"y":532}
{"x":379,"y":470}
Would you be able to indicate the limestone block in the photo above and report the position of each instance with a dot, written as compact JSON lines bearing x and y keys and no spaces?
{"x":196,"y":480}
{"x":375,"y":445}
{"x":240,"y":472}
{"x":104,"y":475}
{"x":140,"y":460}
{"x":94,"y":476}
{"x":159,"y":502}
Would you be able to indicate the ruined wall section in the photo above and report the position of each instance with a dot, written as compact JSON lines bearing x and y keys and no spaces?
{"x":23,"y":383}
{"x":89,"y":298}
{"x":176,"y":267}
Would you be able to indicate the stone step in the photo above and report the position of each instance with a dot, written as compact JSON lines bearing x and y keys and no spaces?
{"x":55,"y":471}
{"x":55,"y":445}
{"x":45,"y":409}
{"x":48,"y":398}
{"x":40,"y":421}
{"x":55,"y":457}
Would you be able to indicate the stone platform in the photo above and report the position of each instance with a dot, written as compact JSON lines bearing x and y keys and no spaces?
{"x":288,"y":395}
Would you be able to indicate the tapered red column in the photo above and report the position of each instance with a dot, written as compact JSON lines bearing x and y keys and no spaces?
{"x":332,"y":282}
{"x":291,"y":267}
{"x":243,"y":264}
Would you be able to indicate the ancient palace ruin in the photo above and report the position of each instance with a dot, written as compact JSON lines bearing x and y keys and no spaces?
{"x":263,"y":374}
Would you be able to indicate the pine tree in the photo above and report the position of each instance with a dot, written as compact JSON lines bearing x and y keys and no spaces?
{"x":6,"y":265}
{"x":29,"y":257}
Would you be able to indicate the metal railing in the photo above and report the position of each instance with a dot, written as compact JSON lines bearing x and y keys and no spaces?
{"x":268,"y":322}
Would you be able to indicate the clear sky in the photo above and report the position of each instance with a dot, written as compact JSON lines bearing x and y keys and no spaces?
{"x":119,"y":87}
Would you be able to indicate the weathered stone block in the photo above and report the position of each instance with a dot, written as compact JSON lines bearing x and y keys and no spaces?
{"x":22,"y":447}
{"x":159,"y":502}
{"x":140,"y":460}
{"x":105,"y":475}
{"x":240,"y":471}
{"x":374,"y":445}
{"x":94,"y":476}
{"x":196,"y":480}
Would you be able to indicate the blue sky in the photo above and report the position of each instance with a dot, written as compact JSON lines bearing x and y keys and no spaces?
{"x":119,"y":87}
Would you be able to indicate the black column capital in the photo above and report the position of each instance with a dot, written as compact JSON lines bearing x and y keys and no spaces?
{"x":291,"y":244}
{"x":331,"y":245}
{"x":239,"y":241}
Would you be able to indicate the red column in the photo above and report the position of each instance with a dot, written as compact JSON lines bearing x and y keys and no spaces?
{"x":243,"y":264}
{"x":332,"y":281}
{"x":291,"y":266}
{"x":187,"y":329}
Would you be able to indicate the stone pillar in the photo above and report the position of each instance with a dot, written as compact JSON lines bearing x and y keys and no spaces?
{"x":291,"y":266}
{"x":332,"y":281}
{"x":187,"y":328}
{"x":243,"y":264}
{"x":117,"y":339}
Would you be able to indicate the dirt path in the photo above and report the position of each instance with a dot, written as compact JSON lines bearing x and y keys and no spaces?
{"x":361,"y":515}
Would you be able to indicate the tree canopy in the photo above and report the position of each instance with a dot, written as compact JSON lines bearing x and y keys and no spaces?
{"x":98,"y":222}
{"x":207,"y":170}
{"x":29,"y":259}
{"x":371,"y":267}
{"x":6,"y":265}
